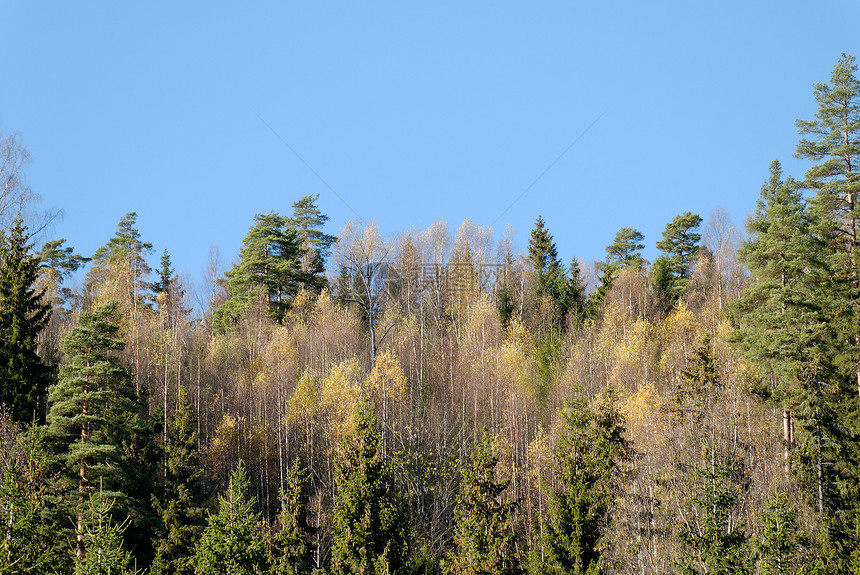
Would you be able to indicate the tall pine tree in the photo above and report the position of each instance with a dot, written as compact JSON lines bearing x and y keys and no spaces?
{"x":314,"y":244}
{"x":832,"y":142}
{"x":95,"y":422}
{"x":268,"y":266}
{"x":680,"y":244}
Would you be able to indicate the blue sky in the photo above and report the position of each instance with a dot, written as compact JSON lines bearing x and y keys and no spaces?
{"x":411,"y":112}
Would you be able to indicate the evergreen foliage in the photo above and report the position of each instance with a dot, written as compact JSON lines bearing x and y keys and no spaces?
{"x":680,"y":244}
{"x":62,"y":261}
{"x":626,"y":249}
{"x":179,"y":502}
{"x":94,"y":422}
{"x":314,"y":245}
{"x":125,"y":245}
{"x":369,"y":534}
{"x":779,"y":323}
{"x":714,"y":543}
{"x":832,"y":142}
{"x":23,"y":315}
{"x":103,"y":542}
{"x":290,"y":551}
{"x":783,"y":547}
{"x":232,"y":543}
{"x":165,"y":275}
{"x":30,"y":543}
{"x":484,"y":540}
{"x":268,"y":265}
{"x":588,"y":461}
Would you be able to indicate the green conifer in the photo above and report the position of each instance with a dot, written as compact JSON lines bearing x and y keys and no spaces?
{"x":588,"y":459}
{"x":484,"y":541}
{"x":268,"y":266}
{"x":232,"y":543}
{"x":24,"y":313}
{"x":179,"y":501}
{"x":680,"y":243}
{"x":369,"y":534}
{"x":94,"y":422}
{"x":289,"y":550}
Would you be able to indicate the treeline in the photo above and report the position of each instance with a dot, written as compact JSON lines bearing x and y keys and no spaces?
{"x":436,"y":402}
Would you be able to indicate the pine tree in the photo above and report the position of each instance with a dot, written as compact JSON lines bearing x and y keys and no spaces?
{"x":484,"y":542}
{"x":588,"y":460}
{"x":626,"y":249}
{"x":314,"y":245}
{"x":832,"y":141}
{"x":779,"y":316}
{"x":289,"y":550}
{"x":368,"y":532}
{"x":95,"y":422}
{"x":232,"y":542}
{"x":268,"y":265}
{"x":680,"y":243}
{"x":125,"y":244}
{"x":23,"y":314}
{"x":124,"y":257}
{"x":61,"y":261}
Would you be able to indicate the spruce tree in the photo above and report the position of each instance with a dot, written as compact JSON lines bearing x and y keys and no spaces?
{"x":94,"y":422}
{"x":103,"y":541}
{"x":30,"y":545}
{"x":289,"y":549}
{"x":369,"y":535}
{"x":588,"y":461}
{"x":576,"y":295}
{"x":484,"y":541}
{"x":23,"y":315}
{"x":782,"y":547}
{"x":232,"y":542}
{"x":543,"y":256}
{"x":165,"y":275}
{"x":713,"y":543}
{"x":179,"y":500}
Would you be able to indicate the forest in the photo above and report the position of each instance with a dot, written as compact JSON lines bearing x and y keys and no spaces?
{"x":432,"y":402}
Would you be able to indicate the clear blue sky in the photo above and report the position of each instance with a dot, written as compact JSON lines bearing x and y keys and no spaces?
{"x":412,"y":112}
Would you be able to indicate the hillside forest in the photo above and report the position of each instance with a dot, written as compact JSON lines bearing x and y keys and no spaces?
{"x":434,"y":402}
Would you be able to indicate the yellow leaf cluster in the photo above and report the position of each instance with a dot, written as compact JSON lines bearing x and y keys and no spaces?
{"x":339,"y":397}
{"x":518,"y":358}
{"x":641,"y":411}
{"x":304,"y":403}
{"x":386,"y":381}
